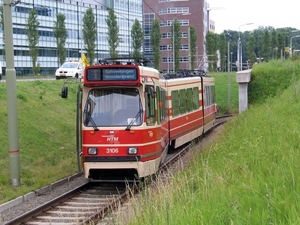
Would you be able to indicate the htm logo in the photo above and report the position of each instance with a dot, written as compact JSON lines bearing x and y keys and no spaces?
{"x":112,"y":138}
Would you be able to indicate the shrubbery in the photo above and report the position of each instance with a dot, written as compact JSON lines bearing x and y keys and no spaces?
{"x":270,"y":79}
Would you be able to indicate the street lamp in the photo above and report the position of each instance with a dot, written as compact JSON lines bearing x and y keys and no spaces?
{"x":291,"y":44}
{"x":228,"y":69}
{"x":197,"y":57}
{"x":231,"y":61}
{"x":184,"y":14}
{"x":239,"y":52}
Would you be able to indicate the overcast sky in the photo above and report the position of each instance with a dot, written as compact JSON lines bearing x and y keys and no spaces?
{"x":231,"y":14}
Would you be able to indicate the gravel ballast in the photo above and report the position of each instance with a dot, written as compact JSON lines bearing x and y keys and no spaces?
{"x":16,"y":207}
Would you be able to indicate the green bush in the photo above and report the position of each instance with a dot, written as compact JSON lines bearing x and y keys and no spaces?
{"x":272,"y":78}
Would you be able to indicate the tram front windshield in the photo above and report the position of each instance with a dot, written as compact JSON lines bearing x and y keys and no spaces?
{"x":113,"y":107}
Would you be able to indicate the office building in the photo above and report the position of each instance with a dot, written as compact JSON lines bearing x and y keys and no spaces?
{"x":126,"y":11}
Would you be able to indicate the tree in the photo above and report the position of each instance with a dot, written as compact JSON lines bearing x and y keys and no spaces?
{"x":137,"y":35}
{"x":274,"y":44}
{"x":193,"y":46}
{"x":89,"y":31}
{"x":176,"y":40}
{"x":281,"y":46}
{"x":223,"y":51}
{"x":32,"y":25}
{"x":211,"y":49}
{"x":231,"y":37}
{"x":260,"y":46}
{"x":113,"y":33}
{"x":60,"y":33}
{"x":155,"y":38}
{"x":266,"y":47}
{"x":251,"y":47}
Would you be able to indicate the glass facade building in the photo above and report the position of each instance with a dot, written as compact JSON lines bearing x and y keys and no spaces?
{"x":125,"y":10}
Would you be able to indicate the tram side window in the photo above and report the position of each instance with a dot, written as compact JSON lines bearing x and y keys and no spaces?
{"x":189,"y":97}
{"x":196,"y":98}
{"x":175,"y":103}
{"x":209,"y":95}
{"x":150,"y":105}
{"x":161,"y":104}
{"x":182,"y":101}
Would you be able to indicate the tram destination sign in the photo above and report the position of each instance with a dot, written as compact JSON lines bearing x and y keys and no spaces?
{"x":119,"y":74}
{"x":112,"y":74}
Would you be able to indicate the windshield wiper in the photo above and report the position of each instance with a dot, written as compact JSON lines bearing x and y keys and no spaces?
{"x":89,"y":116}
{"x":134,"y":119}
{"x":93,"y":122}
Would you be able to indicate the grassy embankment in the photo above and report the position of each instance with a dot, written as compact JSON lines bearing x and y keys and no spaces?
{"x":46,"y":136}
{"x":250,"y":174}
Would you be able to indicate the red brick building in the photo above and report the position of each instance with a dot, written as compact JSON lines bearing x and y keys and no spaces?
{"x":187,"y":12}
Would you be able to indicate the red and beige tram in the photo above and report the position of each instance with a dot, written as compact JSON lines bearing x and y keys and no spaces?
{"x":190,"y":106}
{"x":130,"y":115}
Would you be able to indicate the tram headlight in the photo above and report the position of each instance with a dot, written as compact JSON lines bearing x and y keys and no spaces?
{"x":132,"y":150}
{"x":92,"y":151}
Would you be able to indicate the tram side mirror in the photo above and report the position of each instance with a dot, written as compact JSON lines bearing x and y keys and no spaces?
{"x":64,"y":92}
{"x":152,"y":92}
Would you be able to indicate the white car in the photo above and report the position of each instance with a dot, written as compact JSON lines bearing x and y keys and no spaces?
{"x":69,"y":69}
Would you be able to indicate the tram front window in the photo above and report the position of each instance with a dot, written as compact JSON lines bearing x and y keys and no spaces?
{"x":113,"y":107}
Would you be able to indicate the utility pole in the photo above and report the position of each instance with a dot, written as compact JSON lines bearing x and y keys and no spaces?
{"x":228,"y":68}
{"x":11,"y":91}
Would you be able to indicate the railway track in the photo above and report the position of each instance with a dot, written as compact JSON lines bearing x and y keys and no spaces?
{"x":91,"y":202}
{"x":86,"y":203}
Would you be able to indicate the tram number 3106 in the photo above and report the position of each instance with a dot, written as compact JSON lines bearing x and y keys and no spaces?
{"x":112,"y":150}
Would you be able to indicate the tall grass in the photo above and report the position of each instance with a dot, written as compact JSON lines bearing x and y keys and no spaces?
{"x":226,"y":89}
{"x":46,"y":125}
{"x":250,"y":175}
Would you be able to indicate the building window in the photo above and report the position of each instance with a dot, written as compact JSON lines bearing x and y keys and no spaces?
{"x":179,"y":10}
